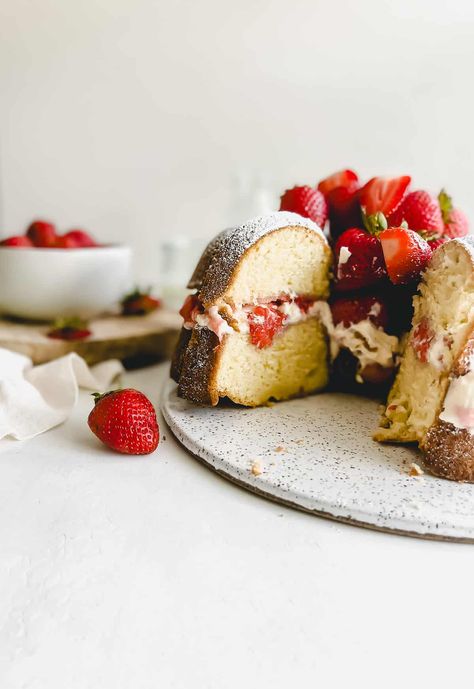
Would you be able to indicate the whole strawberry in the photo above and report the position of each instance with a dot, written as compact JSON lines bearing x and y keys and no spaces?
{"x":306,"y":201}
{"x":455,"y":222}
{"x":125,"y":421}
{"x":81,"y":238}
{"x":18,"y":241}
{"x":139,"y":303}
{"x":42,"y":234}
{"x":359,"y":260}
{"x":420,"y":211}
{"x":69,"y":329}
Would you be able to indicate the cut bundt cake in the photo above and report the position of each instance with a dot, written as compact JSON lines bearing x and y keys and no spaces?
{"x":432,"y":399}
{"x":252,"y":330}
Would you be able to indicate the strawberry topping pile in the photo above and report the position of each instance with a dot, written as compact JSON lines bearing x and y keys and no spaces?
{"x":383,"y":235}
{"x":43,"y":235}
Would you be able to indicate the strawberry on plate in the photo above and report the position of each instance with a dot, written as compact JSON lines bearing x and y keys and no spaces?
{"x":421,"y":211}
{"x":359,"y":260}
{"x":265,"y":322}
{"x":125,"y":421}
{"x":18,"y":241}
{"x":406,"y":254}
{"x":455,"y":222}
{"x":353,"y":309}
{"x":306,"y":201}
{"x":383,"y":194}
{"x":346,"y":179}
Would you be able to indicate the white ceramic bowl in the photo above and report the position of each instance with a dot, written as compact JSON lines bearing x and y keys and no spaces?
{"x":44,"y":284}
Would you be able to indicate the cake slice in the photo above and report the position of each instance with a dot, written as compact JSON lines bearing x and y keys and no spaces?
{"x":252,"y":331}
{"x":430,"y":401}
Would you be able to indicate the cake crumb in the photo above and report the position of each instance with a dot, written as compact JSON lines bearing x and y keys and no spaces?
{"x":415,"y":470}
{"x":280,"y":448}
{"x":256,"y":468}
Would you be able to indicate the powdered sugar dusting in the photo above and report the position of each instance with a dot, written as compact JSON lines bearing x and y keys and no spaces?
{"x":214,"y":271}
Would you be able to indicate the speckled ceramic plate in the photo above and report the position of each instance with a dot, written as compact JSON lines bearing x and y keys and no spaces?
{"x":316,"y":454}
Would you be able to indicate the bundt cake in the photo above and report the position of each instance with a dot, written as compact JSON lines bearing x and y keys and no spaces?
{"x":252,"y":331}
{"x":432,"y":399}
{"x":262,"y":325}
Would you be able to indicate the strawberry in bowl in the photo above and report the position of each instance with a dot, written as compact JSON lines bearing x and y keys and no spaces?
{"x":46,"y":275}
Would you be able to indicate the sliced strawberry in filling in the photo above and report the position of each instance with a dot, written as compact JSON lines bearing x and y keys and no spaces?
{"x":191,"y":307}
{"x":421,"y":340}
{"x":264,"y":323}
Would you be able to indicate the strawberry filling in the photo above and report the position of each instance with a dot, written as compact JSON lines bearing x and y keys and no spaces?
{"x":421,"y":340}
{"x":262,"y":321}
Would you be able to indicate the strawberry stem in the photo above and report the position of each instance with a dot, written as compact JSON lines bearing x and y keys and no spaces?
{"x":446,"y":205}
{"x":375,"y":223}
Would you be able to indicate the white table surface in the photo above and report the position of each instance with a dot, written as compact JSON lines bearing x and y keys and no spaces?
{"x":120,"y":572}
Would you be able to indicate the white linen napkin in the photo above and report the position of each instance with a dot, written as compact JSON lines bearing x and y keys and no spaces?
{"x":34,"y":399}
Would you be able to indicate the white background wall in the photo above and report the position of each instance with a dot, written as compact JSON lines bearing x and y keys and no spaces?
{"x":130,"y":117}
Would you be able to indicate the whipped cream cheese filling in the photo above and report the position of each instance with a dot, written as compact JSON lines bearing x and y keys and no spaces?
{"x":367,"y":342}
{"x":222,"y":319}
{"x":458,"y":406}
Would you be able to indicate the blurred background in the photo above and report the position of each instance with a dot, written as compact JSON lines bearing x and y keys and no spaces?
{"x":143,"y":120}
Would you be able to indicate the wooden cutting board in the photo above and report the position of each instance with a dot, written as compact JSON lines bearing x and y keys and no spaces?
{"x":135,"y":340}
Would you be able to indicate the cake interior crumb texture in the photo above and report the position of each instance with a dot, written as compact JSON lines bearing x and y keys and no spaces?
{"x":294,"y":364}
{"x":446,"y":302}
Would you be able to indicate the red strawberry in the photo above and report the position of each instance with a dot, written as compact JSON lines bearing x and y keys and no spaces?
{"x":70,"y":329}
{"x":41,"y":233}
{"x":406,"y":254}
{"x":349,"y":310}
{"x":436,"y":242}
{"x":308,"y":202}
{"x":344,"y":178}
{"x":421,"y":340}
{"x":383,"y":194}
{"x":125,"y":421}
{"x":458,"y":225}
{"x":264,"y":323}
{"x":65,"y":242}
{"x":420,"y":211}
{"x":344,"y":210}
{"x":81,"y":238}
{"x":455,"y":222}
{"x":18,"y":241}
{"x":358,"y":260}
{"x":191,"y":307}
{"x":139,"y":303}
